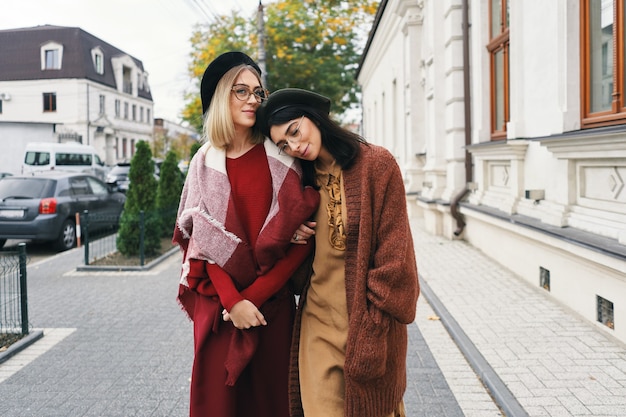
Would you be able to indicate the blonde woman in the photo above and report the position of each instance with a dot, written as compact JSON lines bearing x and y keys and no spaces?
{"x":239,"y":208}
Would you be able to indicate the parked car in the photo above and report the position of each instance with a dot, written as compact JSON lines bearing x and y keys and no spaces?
{"x":118,"y":177}
{"x":5,"y":174}
{"x":76,"y":157}
{"x":42,"y":207}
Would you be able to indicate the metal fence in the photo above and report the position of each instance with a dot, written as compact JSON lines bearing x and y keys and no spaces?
{"x":103,"y":243}
{"x":96,"y":243}
{"x":13,"y":292}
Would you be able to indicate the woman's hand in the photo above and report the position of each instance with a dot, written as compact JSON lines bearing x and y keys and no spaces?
{"x":304,"y":233}
{"x":244,"y":315}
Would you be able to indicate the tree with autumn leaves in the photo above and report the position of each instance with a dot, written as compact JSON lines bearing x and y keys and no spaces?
{"x":310,"y":44}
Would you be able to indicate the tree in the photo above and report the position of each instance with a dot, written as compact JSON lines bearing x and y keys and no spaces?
{"x":311,"y":44}
{"x":168,"y":192}
{"x":182,"y":145}
{"x":141,"y":196}
{"x":194,"y":149}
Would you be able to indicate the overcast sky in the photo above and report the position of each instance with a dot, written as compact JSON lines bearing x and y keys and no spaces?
{"x":156,"y":32}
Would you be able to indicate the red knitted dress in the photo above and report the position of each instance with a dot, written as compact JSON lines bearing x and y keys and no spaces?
{"x":261,"y":388}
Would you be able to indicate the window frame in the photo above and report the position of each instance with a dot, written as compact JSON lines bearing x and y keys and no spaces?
{"x":98,"y":63}
{"x":617,"y":114}
{"x":49,"y":102}
{"x":55,"y":48}
{"x":499,"y":42}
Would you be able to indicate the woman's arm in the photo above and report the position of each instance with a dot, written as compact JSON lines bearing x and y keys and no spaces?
{"x":267,"y":285}
{"x":243,"y":313}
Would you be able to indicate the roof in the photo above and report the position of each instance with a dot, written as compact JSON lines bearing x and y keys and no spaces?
{"x":370,"y":37}
{"x":21,"y":59}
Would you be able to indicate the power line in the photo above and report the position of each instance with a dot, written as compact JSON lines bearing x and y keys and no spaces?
{"x":197,"y":7}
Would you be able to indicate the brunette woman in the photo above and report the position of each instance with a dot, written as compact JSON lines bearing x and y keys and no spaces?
{"x":350,"y":339}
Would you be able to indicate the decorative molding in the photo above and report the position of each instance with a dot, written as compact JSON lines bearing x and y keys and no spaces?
{"x":586,"y":146}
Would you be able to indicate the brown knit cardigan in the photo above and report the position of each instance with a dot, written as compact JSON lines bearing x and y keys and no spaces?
{"x":381,"y":288}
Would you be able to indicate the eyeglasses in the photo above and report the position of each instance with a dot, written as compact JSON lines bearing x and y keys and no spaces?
{"x":295,"y":134}
{"x":243,"y":93}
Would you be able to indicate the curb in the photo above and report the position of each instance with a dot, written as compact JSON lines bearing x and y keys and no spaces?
{"x":501,"y":394}
{"x":120,"y":268}
{"x":22,"y":344}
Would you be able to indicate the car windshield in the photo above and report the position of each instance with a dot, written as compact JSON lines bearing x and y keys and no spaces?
{"x":16,"y":188}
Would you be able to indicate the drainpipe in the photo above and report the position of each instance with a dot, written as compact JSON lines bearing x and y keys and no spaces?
{"x":454,"y":205}
{"x":88,"y":121}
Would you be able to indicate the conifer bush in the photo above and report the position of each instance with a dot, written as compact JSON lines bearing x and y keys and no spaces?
{"x":168,"y":192}
{"x":194,"y":148}
{"x":141,"y":196}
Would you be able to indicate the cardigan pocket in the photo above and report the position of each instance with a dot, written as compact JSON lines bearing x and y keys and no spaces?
{"x":366,"y":356}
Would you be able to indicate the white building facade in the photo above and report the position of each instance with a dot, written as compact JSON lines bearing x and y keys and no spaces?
{"x":92,"y":92}
{"x":509,"y":121}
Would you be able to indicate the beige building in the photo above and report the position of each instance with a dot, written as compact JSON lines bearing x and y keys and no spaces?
{"x":509,"y":121}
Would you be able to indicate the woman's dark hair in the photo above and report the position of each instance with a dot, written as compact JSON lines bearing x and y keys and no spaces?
{"x":341,"y":143}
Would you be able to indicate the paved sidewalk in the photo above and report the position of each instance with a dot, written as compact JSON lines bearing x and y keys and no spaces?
{"x":117,"y":345}
{"x":114,"y":345}
{"x":553,"y":362}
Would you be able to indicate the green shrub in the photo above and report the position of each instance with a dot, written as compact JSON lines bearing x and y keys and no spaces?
{"x":141,"y":196}
{"x":194,"y":148}
{"x":168,"y":192}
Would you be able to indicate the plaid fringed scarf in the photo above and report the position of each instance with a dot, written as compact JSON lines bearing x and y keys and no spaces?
{"x":205,"y":210}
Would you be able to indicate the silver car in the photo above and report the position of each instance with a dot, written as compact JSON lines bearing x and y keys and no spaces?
{"x":43,"y":207}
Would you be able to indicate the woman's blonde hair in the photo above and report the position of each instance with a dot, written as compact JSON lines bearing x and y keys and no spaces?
{"x":219,"y":128}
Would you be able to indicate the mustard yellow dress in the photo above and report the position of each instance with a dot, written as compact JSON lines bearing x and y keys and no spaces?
{"x":324,"y":326}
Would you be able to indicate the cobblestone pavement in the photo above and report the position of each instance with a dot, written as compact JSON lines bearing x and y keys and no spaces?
{"x":117,"y":344}
{"x":553,"y":362}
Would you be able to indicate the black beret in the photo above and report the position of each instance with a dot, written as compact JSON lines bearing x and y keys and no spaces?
{"x":216,"y":70}
{"x":290,"y":97}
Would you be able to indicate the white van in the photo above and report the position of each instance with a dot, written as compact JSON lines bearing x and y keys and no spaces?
{"x":44,"y":156}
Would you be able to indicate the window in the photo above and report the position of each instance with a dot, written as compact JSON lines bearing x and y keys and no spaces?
{"x":52,"y":59}
{"x":98,"y":62}
{"x":603,"y":41}
{"x":51,"y":56}
{"x":80,"y":186}
{"x":125,"y":110}
{"x":498,"y":48}
{"x":124,"y":148}
{"x":73,"y":159}
{"x":134,"y":112}
{"x":132,"y":147}
{"x":49,"y":102}
{"x":127,"y":85}
{"x":96,"y":186}
{"x":0,"y":106}
{"x":140,"y":112}
{"x":117,"y":108}
{"x":37,"y":158}
{"x":101,"y":109}
{"x":148,"y":115}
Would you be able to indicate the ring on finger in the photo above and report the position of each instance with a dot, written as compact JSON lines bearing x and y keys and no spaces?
{"x":296,"y":237}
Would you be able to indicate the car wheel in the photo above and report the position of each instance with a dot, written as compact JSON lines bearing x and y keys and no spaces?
{"x":67,"y":238}
{"x":2,"y":242}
